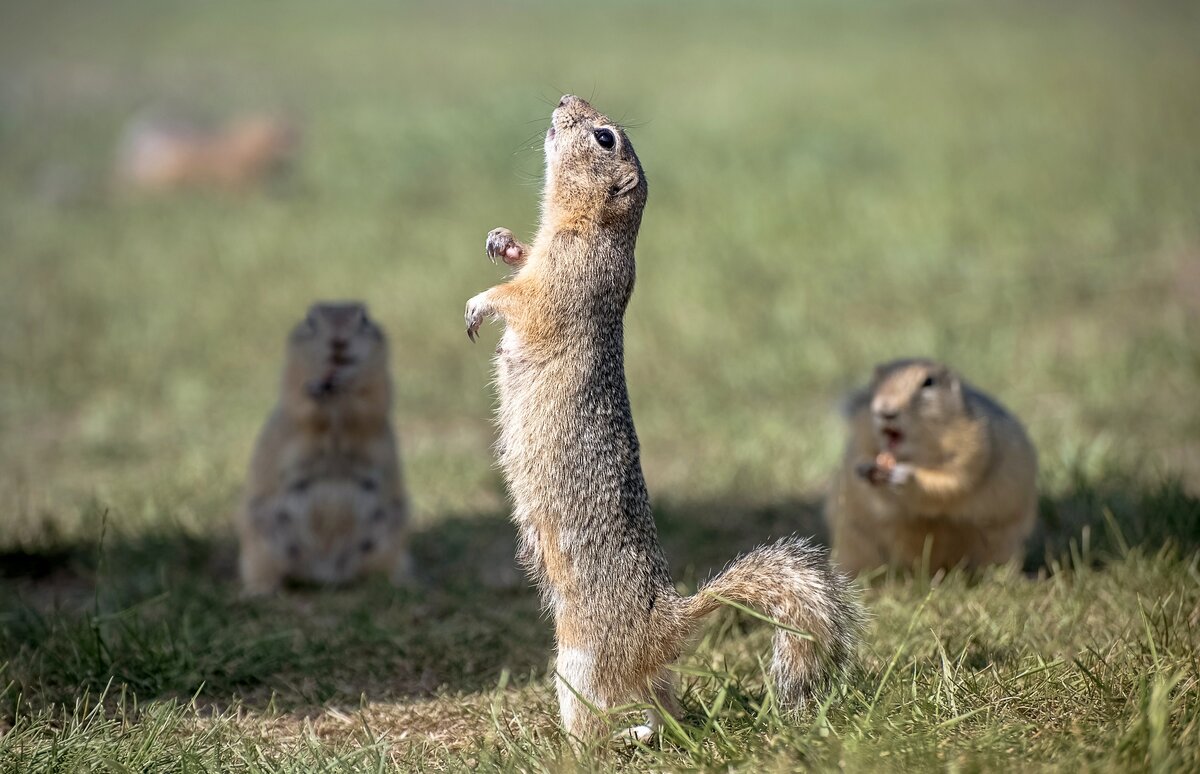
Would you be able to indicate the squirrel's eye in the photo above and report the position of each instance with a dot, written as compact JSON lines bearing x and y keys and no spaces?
{"x":929,"y":382}
{"x":605,"y":137}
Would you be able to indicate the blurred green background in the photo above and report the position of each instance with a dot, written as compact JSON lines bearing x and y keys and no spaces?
{"x":1014,"y":188}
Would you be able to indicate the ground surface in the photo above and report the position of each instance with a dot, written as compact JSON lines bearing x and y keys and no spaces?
{"x":1012,"y":188}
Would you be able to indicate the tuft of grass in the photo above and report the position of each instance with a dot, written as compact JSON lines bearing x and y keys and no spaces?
{"x":1010,"y":188}
{"x":1092,"y":668}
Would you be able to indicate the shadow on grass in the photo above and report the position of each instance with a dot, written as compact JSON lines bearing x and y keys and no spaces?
{"x":161,"y":614}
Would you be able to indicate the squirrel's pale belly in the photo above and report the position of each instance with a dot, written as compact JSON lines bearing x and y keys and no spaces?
{"x":331,"y":529}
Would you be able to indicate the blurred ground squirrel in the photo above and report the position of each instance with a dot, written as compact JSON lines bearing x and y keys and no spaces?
{"x":325,"y":500}
{"x":157,"y":155}
{"x":930,"y":458}
{"x":569,"y":450}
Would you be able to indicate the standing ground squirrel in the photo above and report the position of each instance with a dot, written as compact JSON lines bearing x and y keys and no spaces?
{"x":569,"y":450}
{"x":325,"y":500}
{"x":930,"y":458}
{"x":157,"y":155}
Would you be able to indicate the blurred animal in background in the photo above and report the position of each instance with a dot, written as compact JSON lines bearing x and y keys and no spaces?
{"x":159,"y":154}
{"x":325,"y":499}
{"x":934,"y":471}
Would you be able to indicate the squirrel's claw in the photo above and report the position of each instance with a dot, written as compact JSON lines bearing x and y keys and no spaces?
{"x":502,"y":245}
{"x":477,"y":311}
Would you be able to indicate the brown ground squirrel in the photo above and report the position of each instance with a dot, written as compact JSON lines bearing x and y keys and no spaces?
{"x":157,"y":155}
{"x":325,"y":500}
{"x":569,"y":451}
{"x":930,"y":458}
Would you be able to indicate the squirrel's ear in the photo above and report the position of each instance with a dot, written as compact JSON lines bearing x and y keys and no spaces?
{"x":625,"y":184}
{"x":970,"y":406}
{"x":953,"y":381}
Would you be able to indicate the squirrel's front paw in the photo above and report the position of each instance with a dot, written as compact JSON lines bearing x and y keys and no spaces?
{"x":502,"y":245}
{"x":478,"y":310}
{"x":329,"y":384}
{"x":900,"y":475}
{"x":885,"y":470}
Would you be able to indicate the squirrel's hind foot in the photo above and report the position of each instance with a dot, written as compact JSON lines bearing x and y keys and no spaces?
{"x":636,"y":734}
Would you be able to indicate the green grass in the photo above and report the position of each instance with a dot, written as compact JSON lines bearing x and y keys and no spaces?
{"x":1014,"y":188}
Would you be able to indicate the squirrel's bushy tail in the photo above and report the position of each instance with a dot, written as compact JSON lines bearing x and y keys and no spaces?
{"x":791,"y":582}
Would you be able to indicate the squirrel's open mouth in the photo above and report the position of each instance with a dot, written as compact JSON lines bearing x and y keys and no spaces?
{"x":892,"y":436}
{"x":550,"y":132}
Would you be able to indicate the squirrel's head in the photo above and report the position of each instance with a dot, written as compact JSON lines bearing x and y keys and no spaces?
{"x":911,"y":400}
{"x":591,"y":168}
{"x":332,"y":347}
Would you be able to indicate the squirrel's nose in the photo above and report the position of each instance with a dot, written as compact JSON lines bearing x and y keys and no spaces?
{"x":889,"y":416}
{"x":567,"y":99}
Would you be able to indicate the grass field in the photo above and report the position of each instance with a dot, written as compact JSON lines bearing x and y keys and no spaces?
{"x":1014,"y":188}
